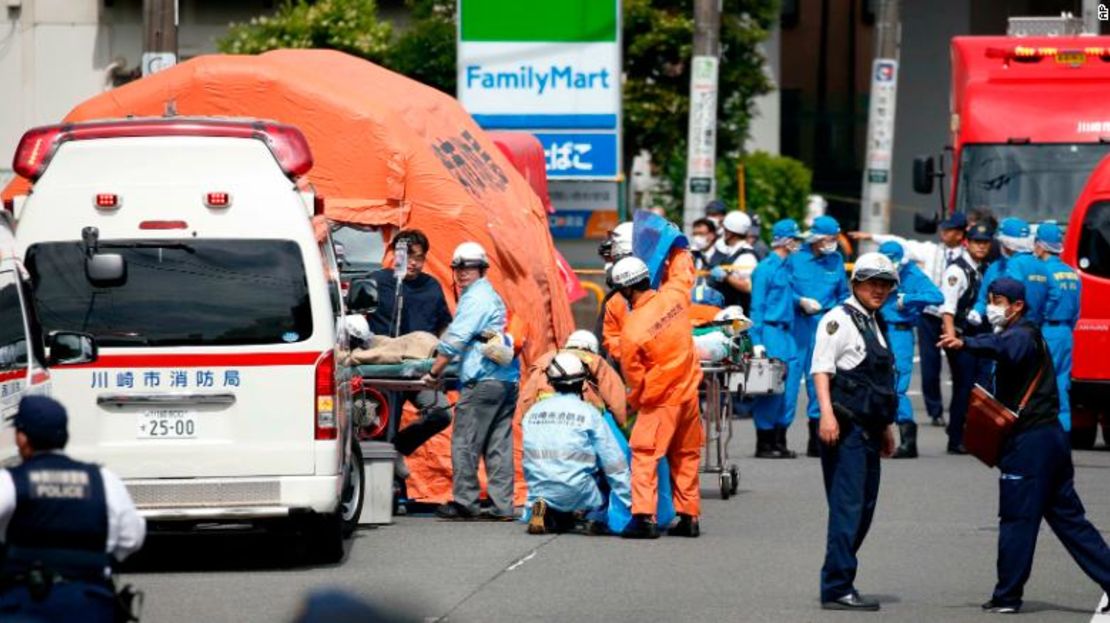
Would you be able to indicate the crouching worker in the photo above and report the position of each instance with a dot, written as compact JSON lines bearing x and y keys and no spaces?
{"x":569,"y":449}
{"x":63,"y":524}
{"x":603,"y":388}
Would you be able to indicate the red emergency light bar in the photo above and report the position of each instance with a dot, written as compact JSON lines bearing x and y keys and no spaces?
{"x":1034,"y":54}
{"x":286,"y":143}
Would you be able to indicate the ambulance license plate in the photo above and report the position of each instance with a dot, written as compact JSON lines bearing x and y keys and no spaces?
{"x":167,"y":424}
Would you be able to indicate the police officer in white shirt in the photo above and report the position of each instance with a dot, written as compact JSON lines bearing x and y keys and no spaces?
{"x":853,"y":371}
{"x":960,"y":286}
{"x":934,"y":258}
{"x":63,"y":523}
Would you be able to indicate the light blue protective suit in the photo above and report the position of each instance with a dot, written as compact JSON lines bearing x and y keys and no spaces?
{"x":1030,"y":271}
{"x":772,"y":316}
{"x":994,"y":270}
{"x":480,"y":308}
{"x":1061,"y":311}
{"x":916,"y":292}
{"x":567,"y":446}
{"x":822,"y":278}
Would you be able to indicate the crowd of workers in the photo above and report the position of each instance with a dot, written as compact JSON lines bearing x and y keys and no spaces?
{"x":850,"y":338}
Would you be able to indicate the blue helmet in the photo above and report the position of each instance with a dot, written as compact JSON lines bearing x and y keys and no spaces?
{"x":824,"y":226}
{"x":784,"y":231}
{"x":1050,"y":236}
{"x":894,"y":250}
{"x":1014,"y":234}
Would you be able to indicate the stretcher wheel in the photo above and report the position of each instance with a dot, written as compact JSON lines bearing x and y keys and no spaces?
{"x":734,"y":477}
{"x":726,"y":485}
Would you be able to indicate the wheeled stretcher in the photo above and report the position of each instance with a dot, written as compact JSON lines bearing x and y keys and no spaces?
{"x":378,"y":391}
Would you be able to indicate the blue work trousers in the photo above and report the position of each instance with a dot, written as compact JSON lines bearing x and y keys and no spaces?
{"x":901,"y":344}
{"x":805,"y":336}
{"x":778,"y":409}
{"x":1059,"y":340}
{"x":851,"y":470}
{"x":967,"y":370}
{"x":928,"y":334}
{"x":1037,"y":481}
{"x":67,"y":601}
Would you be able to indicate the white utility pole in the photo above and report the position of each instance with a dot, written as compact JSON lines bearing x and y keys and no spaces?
{"x":701,"y":150}
{"x":875,"y":206}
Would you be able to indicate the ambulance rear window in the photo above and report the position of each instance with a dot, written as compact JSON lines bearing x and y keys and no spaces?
{"x":1094,"y":241}
{"x":177,"y":292}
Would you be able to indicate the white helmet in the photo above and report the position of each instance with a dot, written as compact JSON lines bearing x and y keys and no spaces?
{"x":874,"y":266}
{"x":628,"y":271}
{"x":469,"y":255}
{"x":583,"y":340}
{"x":622,"y":239}
{"x":566,"y":369}
{"x":738,"y":223}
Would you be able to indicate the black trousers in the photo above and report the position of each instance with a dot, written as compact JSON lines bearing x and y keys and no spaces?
{"x":928,"y":334}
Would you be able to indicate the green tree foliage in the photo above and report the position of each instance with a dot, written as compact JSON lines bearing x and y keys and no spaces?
{"x":350,"y":26}
{"x":776,"y":187}
{"x":426,"y":50}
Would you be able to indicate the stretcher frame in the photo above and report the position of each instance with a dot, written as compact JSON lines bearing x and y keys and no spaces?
{"x":717,"y":425}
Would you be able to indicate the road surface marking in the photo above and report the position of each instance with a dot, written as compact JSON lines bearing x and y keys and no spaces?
{"x":1101,"y":618}
{"x":520,"y":562}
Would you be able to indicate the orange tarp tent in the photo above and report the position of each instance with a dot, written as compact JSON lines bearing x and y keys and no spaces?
{"x":388,"y":151}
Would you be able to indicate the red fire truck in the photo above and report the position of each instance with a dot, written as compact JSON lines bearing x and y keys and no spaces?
{"x":1029,"y":122}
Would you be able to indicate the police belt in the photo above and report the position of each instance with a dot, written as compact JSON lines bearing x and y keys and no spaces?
{"x":23,"y":563}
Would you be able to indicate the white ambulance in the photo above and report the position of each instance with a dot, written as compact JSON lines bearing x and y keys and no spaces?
{"x":187,"y":249}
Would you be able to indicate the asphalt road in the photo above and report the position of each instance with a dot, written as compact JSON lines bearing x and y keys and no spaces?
{"x":929,"y":557}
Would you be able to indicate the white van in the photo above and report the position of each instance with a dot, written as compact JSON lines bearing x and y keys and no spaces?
{"x":187,"y":249}
{"x":22,"y":360}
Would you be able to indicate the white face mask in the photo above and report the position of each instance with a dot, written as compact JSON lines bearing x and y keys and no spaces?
{"x":827,"y":247}
{"x":996,"y":315}
{"x":700,"y":243}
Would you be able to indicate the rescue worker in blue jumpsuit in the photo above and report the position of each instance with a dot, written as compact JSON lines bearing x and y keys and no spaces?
{"x":772,"y":316}
{"x":901,"y":311}
{"x":1061,"y":310}
{"x":961,"y":285}
{"x":64,"y":524}
{"x":820,"y":284}
{"x":853,"y":370}
{"x":1017,"y":262}
{"x":1037,"y":475}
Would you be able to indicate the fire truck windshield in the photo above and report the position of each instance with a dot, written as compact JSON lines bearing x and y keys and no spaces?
{"x":1034,"y":182}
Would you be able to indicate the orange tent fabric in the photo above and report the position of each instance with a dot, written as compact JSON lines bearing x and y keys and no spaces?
{"x":388,"y":151}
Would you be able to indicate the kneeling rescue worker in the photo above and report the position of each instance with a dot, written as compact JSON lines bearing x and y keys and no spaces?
{"x":62,"y":522}
{"x":661,"y":371}
{"x":853,"y":373}
{"x":568,"y":448}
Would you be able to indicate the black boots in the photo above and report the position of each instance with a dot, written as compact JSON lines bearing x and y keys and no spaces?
{"x":641,"y":527}
{"x":908,"y":449}
{"x":685,"y":526}
{"x":765,"y":444}
{"x":813,"y":449}
{"x":771,"y":444}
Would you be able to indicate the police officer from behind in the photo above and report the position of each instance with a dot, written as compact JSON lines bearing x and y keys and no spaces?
{"x":1037,"y":479}
{"x":1061,"y":310}
{"x":962,"y":283}
{"x":853,"y":371}
{"x":63,"y":524}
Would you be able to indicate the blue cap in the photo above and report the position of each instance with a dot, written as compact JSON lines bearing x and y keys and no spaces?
{"x":825,"y":226}
{"x":43,"y":420}
{"x":980,"y":231}
{"x":956,"y":220}
{"x":786,"y":228}
{"x":894,"y":250}
{"x":1012,"y":289}
{"x":1013,"y":227}
{"x":1050,"y":236}
{"x":716,"y":207}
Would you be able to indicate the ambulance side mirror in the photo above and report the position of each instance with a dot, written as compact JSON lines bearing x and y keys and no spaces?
{"x":924,"y":170}
{"x":70,"y":348}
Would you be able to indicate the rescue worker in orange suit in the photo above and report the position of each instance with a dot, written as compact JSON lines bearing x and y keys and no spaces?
{"x":613,"y":249}
{"x":661,"y":371}
{"x":603,"y":388}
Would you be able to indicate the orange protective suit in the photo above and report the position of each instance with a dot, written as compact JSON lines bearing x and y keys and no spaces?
{"x":604,"y":389}
{"x":662,"y":373}
{"x":679,"y":262}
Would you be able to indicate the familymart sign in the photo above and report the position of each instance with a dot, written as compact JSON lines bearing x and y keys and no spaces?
{"x":551,"y":67}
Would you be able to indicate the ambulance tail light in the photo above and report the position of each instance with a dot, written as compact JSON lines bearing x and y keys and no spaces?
{"x":287,"y":144}
{"x":325,"y":398}
{"x":163,"y":225}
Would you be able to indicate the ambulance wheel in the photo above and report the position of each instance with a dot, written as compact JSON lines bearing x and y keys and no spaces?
{"x":726,"y":486}
{"x":354,"y":490}
{"x":734,"y":477}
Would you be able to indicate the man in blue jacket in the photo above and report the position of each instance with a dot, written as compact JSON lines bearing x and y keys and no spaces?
{"x":487,"y":400}
{"x":820,"y":284}
{"x":1061,"y":310}
{"x":772,"y":315}
{"x":901,"y":312}
{"x":568,"y":449}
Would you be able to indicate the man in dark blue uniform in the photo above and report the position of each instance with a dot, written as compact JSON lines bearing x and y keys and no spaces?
{"x":1037,"y":479}
{"x":853,"y":374}
{"x":63,"y":523}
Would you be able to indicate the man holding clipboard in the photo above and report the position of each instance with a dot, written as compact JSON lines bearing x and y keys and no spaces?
{"x":1037,"y":479}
